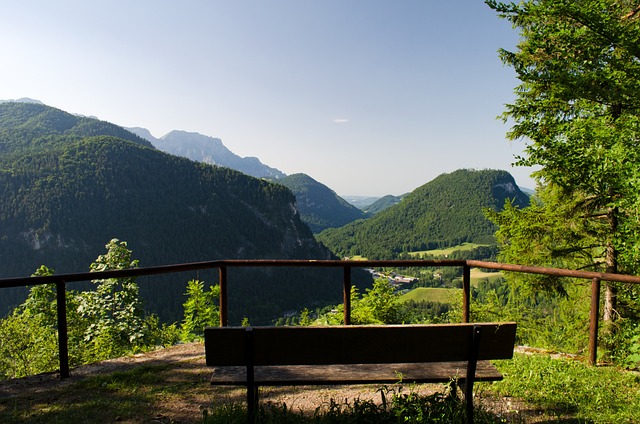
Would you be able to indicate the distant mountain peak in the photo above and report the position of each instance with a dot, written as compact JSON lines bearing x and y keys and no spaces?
{"x":203,"y":148}
{"x":142,"y":132}
{"x":23,"y":100}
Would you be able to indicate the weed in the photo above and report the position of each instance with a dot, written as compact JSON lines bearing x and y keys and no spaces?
{"x":399,"y":408}
{"x":568,"y":388}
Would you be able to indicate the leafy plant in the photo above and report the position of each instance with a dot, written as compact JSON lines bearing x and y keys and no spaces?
{"x":400,"y":408}
{"x":104,"y":323}
{"x":200,"y":310}
{"x":114,"y":310}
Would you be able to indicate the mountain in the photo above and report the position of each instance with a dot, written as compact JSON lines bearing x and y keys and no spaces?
{"x":70,"y":184}
{"x":320,"y":207}
{"x":30,"y":126}
{"x":360,"y":202}
{"x":444,"y":212}
{"x":202,"y":148}
{"x":382,"y":204}
{"x":22,"y":100}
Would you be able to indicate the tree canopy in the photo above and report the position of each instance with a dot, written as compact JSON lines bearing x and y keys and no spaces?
{"x":578,"y":110}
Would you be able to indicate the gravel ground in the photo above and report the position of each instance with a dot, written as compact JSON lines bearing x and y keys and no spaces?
{"x":188,"y":365}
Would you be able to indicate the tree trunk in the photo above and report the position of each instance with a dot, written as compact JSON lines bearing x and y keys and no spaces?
{"x":611,"y":263}
{"x":610,"y":302}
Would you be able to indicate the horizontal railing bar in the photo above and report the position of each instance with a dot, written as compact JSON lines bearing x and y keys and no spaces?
{"x":560,"y":272}
{"x":120,"y":273}
{"x":195,"y":266}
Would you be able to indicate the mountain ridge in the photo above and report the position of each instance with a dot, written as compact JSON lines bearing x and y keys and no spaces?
{"x":444,"y":212}
{"x":203,"y":148}
{"x":320,"y":207}
{"x":64,"y":196}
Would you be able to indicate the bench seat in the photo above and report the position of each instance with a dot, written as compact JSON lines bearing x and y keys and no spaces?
{"x":307,"y":375}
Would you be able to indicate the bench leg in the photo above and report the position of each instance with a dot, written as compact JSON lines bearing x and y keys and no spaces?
{"x":468,"y":398}
{"x":252,"y":403}
{"x":471,"y":372}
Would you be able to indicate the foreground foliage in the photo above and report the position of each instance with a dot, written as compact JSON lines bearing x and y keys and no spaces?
{"x":577,"y":110}
{"x":565,"y":388}
{"x":104,"y":323}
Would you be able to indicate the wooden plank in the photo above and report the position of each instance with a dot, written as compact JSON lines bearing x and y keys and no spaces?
{"x":355,"y":374}
{"x":497,"y":340}
{"x":225,"y":346}
{"x":378,"y":344}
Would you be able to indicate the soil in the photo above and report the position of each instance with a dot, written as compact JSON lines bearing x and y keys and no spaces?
{"x":186,"y":365}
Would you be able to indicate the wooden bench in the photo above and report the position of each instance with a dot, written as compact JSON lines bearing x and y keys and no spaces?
{"x":336,"y":355}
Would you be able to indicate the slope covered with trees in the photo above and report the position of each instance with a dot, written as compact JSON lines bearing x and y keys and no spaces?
{"x":26,"y":127}
{"x":444,"y":212}
{"x":63,"y":196}
{"x":383,"y":203}
{"x":319,"y":206}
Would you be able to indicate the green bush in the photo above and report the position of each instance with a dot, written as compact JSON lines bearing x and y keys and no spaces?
{"x":200,"y":310}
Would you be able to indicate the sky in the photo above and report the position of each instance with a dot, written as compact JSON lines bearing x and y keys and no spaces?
{"x":369,"y":97}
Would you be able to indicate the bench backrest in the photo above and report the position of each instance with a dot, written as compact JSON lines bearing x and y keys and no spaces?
{"x":227,"y":346}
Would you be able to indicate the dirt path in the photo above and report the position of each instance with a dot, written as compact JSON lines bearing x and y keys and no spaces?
{"x":190,"y":352}
{"x":186,"y":368}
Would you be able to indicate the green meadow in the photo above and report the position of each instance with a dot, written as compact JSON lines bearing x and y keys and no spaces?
{"x":431,"y":294}
{"x":448,"y":250}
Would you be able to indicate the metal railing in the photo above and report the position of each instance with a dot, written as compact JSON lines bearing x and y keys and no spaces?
{"x":223,"y":265}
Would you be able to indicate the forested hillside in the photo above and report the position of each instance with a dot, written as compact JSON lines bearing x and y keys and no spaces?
{"x":383,"y":203}
{"x":65,"y":195}
{"x":320,"y":207}
{"x":444,"y":212}
{"x":26,"y":127}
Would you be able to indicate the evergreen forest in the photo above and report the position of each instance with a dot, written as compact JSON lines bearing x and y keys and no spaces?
{"x":69,"y":185}
{"x":444,"y":212}
{"x":320,"y":207}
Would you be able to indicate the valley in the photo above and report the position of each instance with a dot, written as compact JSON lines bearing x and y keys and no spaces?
{"x":69,"y":184}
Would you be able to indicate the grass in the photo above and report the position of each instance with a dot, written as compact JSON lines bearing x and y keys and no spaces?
{"x":447,"y":251}
{"x":396,"y":408}
{"x":536,"y":389}
{"x":447,"y":295}
{"x":131,"y":396}
{"x":432,"y":294}
{"x":478,"y":274}
{"x":569,"y":391}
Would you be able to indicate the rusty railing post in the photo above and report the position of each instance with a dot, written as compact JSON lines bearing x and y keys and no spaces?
{"x":466,"y":292}
{"x":346,"y":287}
{"x":63,"y":332}
{"x":593,"y":321}
{"x":224,"y":317}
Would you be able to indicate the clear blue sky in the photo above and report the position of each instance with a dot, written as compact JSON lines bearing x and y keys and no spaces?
{"x":369,"y":97}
